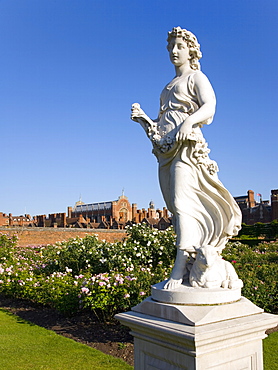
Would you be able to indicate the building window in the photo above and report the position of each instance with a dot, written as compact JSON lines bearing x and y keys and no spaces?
{"x":123,"y":214}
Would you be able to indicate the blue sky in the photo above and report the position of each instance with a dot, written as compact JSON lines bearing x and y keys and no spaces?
{"x":70,"y":70}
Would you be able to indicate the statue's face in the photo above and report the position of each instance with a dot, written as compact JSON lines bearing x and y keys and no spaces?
{"x":178,"y":51}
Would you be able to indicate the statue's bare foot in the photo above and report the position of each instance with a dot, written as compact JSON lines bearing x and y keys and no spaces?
{"x":172,"y":284}
{"x":178,"y":271}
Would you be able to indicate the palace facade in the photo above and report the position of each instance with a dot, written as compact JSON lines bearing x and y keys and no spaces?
{"x":117,"y":214}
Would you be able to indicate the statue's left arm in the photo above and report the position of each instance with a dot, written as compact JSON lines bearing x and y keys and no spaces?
{"x":207,"y":103}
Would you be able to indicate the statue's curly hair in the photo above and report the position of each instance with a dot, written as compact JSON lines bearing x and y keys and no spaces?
{"x":192,"y":43}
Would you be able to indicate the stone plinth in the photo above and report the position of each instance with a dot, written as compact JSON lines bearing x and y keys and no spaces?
{"x":197,"y":315}
{"x":179,"y":337}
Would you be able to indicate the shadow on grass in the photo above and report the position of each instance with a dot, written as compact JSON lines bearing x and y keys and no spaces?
{"x":83,"y":325}
{"x":18,"y":319}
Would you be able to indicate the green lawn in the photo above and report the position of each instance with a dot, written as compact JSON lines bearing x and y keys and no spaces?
{"x":27,"y":346}
{"x":270,"y":345}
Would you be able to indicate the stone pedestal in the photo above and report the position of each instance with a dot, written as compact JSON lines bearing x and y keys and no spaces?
{"x":185,"y":294}
{"x":219,"y":337}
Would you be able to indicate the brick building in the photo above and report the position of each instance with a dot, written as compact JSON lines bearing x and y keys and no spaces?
{"x":10,"y":220}
{"x":262,"y":211}
{"x":274,"y":204}
{"x":118,"y":210}
{"x":105,"y":215}
{"x":117,"y":214}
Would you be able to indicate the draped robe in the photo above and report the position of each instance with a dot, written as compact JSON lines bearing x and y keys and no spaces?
{"x":204,"y":212}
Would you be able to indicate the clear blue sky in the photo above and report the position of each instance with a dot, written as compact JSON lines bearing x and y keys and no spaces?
{"x":70,"y":70}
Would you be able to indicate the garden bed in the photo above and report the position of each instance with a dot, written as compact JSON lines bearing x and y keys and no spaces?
{"x":76,"y":287}
{"x":109,"y":338}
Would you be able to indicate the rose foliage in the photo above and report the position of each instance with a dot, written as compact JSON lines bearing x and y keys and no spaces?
{"x":112,"y":277}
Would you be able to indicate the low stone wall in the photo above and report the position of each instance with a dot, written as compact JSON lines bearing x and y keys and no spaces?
{"x":48,"y":235}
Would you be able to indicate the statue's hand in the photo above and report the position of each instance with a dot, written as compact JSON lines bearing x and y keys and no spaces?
{"x":137,"y":113}
{"x":184,"y":130}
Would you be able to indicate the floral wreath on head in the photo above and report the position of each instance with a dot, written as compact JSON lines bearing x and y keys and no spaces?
{"x":192,"y":43}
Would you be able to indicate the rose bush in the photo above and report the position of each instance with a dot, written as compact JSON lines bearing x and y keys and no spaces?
{"x":88,"y":273}
{"x":112,"y":277}
{"x":257,"y":266}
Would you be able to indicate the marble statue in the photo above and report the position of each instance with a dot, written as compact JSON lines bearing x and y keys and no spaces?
{"x":205,"y":215}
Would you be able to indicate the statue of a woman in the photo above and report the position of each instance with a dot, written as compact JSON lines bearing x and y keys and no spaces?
{"x":204,"y":212}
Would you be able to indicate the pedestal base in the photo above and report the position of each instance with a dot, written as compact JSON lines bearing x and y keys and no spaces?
{"x":172,"y":337}
{"x":186,"y":294}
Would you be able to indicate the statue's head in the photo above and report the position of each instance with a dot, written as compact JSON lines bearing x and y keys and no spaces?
{"x":192,"y":43}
